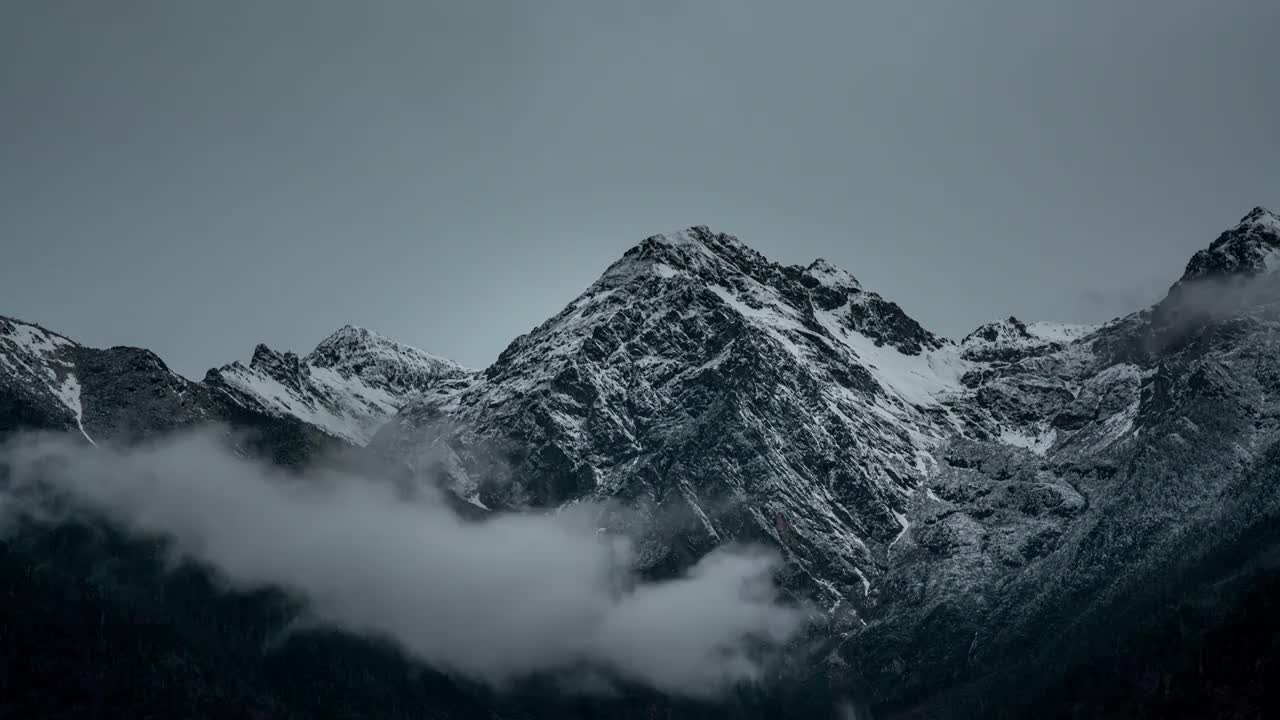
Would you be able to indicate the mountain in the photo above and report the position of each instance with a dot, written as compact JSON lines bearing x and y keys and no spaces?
{"x":293,"y":409}
{"x":1010,"y":340}
{"x":734,"y":398}
{"x":38,"y":388}
{"x":347,"y":387}
{"x":1251,"y":247}
{"x":1149,"y":502}
{"x":946,"y":502}
{"x":738,"y":400}
{"x":1039,"y":519}
{"x":120,"y":394}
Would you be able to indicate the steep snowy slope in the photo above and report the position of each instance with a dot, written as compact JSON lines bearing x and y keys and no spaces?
{"x":348,"y":386}
{"x":39,"y":366}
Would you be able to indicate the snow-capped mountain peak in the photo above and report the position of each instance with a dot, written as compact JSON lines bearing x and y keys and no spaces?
{"x":1249,"y":248}
{"x":1261,"y":217}
{"x":348,"y":386}
{"x":824,"y":273}
{"x":695,"y":251}
{"x":1011,"y":339}
{"x":279,"y":365}
{"x":698,"y":238}
{"x":380,"y":361}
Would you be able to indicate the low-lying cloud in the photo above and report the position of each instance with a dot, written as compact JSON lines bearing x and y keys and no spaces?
{"x":496,"y":600}
{"x":1192,"y":305}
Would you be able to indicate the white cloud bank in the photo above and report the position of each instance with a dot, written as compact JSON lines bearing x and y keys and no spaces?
{"x":496,"y":600}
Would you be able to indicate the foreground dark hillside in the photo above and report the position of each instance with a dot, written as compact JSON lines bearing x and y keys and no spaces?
{"x":75,"y":648}
{"x":1200,"y":659}
{"x":93,"y":626}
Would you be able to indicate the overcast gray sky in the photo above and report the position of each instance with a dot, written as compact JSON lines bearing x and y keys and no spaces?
{"x":197,"y":177}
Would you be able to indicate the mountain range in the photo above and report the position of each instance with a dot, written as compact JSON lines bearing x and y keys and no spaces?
{"x":1036,"y":519}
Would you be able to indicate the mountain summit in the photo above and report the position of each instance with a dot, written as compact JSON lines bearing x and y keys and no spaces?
{"x":352,"y":382}
{"x":1251,"y":247}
